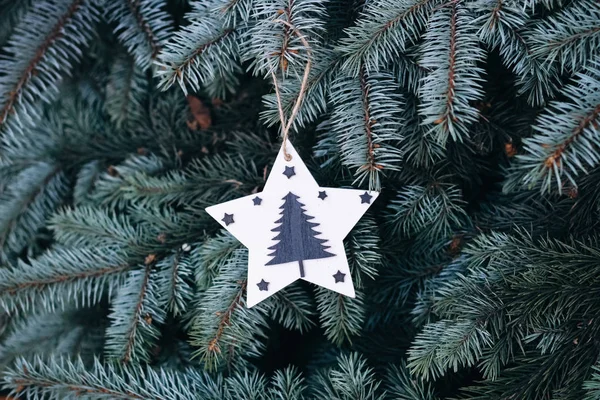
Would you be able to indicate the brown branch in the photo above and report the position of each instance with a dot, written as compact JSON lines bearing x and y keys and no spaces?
{"x":584,"y":123}
{"x":398,"y":19}
{"x":56,"y":33}
{"x":496,"y":13}
{"x":137,"y":313}
{"x":572,"y":38}
{"x":449,"y":111}
{"x":64,"y":278}
{"x":22,"y":383}
{"x":364,"y":88}
{"x":200,"y":50}
{"x":134,"y":7}
{"x":286,"y":36}
{"x":213,"y":345}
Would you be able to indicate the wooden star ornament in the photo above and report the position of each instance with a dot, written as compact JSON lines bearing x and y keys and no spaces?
{"x":294,"y":229}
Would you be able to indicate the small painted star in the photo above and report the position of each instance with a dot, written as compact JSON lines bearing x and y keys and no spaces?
{"x":365,"y":198}
{"x":339,"y":276}
{"x":263,"y":285}
{"x":257,"y":200}
{"x":228,"y":219}
{"x":289,"y":172}
{"x":322,"y":195}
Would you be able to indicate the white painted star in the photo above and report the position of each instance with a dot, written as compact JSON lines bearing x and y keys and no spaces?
{"x":304,"y":237}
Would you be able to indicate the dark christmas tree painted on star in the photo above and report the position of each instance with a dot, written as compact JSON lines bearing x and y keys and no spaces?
{"x":297,"y":238}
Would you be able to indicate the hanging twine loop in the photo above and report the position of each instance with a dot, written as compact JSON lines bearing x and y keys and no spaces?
{"x":287,"y":124}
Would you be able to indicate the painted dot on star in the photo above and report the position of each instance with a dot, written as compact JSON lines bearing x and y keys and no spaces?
{"x":228,"y":219}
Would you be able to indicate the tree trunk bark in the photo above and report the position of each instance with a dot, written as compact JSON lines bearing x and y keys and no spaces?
{"x":301,"y":268}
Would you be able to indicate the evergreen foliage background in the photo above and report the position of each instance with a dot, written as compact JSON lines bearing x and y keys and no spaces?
{"x":477,"y":270}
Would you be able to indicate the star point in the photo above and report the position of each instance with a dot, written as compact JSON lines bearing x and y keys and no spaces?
{"x":289,"y":172}
{"x":257,"y":200}
{"x":365,"y":198}
{"x":228,"y":219}
{"x":339,"y":276}
{"x":322,"y":194}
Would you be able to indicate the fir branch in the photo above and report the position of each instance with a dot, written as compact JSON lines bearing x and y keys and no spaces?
{"x":126,"y":94}
{"x":506,"y":26}
{"x":190,"y":58}
{"x":234,"y":12}
{"x":542,"y":375}
{"x":142,"y":26}
{"x":80,"y":276}
{"x":173,"y":283}
{"x":136,"y":312}
{"x":363,"y":251}
{"x":112,"y":186}
{"x":570,"y":38}
{"x":27,"y":202}
{"x":425,"y":151}
{"x":210,"y":257}
{"x":409,"y":72}
{"x":293,"y":308}
{"x":60,"y":30}
{"x":366,"y":122}
{"x":592,"y":386}
{"x":400,"y":384}
{"x":62,"y":378}
{"x":287,"y":384}
{"x":324,"y":65}
{"x":351,"y":379}
{"x":53,"y":35}
{"x":223,"y":328}
{"x":341,"y":316}
{"x":462,"y":345}
{"x":211,"y":180}
{"x":533,"y":288}
{"x":433,"y":212}
{"x":72,"y":332}
{"x":567,"y":142}
{"x":247,"y":385}
{"x":274,"y":46}
{"x":84,"y":184}
{"x":384,"y":30}
{"x":12,"y":13}
{"x":225,"y":318}
{"x":452,"y":51}
{"x":89,"y":227}
{"x":134,"y":7}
